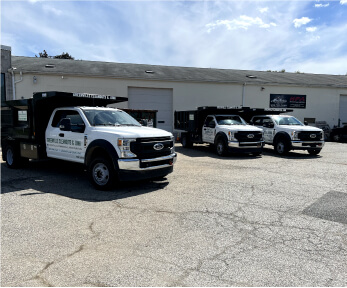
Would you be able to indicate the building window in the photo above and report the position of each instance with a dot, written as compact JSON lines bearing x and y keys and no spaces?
{"x":3,"y":88}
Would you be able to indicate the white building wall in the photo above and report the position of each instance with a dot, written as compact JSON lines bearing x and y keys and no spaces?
{"x":322,"y":103}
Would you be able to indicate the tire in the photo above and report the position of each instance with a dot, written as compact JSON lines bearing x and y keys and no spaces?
{"x":314,"y":152}
{"x":102,"y":174}
{"x":221,"y":147}
{"x":186,"y":143}
{"x":281,"y":146}
{"x":336,"y":138}
{"x":13,"y":160}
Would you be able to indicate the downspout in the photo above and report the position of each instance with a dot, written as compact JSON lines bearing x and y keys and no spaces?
{"x":243,"y":94}
{"x":15,"y":82}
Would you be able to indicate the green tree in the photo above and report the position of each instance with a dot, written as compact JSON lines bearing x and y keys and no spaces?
{"x":64,"y":55}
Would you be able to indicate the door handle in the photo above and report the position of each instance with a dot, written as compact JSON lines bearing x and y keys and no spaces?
{"x":61,"y":134}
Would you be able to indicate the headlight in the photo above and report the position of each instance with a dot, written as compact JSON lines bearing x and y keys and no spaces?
{"x":173,"y":144}
{"x":124,"y":147}
{"x":231,"y":136}
{"x":295,"y":135}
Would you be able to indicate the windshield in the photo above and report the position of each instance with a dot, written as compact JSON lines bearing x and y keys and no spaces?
{"x":97,"y":117}
{"x":230,"y":120}
{"x":287,"y":120}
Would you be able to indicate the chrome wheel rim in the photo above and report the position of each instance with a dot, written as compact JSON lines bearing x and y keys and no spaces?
{"x":220,"y":148}
{"x":101,"y":174}
{"x":280,"y":147}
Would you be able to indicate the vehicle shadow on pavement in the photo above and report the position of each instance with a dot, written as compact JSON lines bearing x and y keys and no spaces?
{"x":55,"y":177}
{"x":297,"y":154}
{"x":209,"y":151}
{"x":202,"y":150}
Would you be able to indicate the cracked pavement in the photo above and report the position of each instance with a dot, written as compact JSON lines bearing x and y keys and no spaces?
{"x":233,"y":221}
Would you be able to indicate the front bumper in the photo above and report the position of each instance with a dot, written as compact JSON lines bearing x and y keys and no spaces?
{"x":139,"y":169}
{"x":307,"y":145}
{"x":245,"y":145}
{"x":147,"y":164}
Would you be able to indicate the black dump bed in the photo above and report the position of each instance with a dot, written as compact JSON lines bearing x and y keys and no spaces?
{"x":193,"y":120}
{"x":28,"y":118}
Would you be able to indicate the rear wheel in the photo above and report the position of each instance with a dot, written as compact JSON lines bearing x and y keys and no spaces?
{"x":281,"y":146}
{"x":101,"y":173}
{"x":314,"y":152}
{"x":13,"y":160}
{"x":186,"y":143}
{"x":336,"y":137}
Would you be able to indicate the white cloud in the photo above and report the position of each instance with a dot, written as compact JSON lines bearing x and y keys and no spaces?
{"x":321,"y":5}
{"x":302,"y":21}
{"x":311,"y":29}
{"x":263,"y":10}
{"x":243,"y":22}
{"x":343,"y":2}
{"x":53,"y":10}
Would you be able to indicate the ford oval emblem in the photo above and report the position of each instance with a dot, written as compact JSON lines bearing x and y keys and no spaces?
{"x":250,"y":136}
{"x":313,"y":135}
{"x":158,"y":146}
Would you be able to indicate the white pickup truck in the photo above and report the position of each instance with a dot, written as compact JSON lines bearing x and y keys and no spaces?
{"x":287,"y":133}
{"x":108,"y":141}
{"x":232,"y":133}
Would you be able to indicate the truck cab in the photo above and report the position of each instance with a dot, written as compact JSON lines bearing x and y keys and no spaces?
{"x":231,"y":133}
{"x":286,"y":133}
{"x":108,"y":141}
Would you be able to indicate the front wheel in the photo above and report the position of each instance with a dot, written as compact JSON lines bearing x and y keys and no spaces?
{"x":314,"y":152}
{"x":281,"y":147}
{"x":221,"y":147}
{"x":101,"y":174}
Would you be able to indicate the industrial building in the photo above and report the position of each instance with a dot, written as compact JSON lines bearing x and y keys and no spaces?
{"x":313,"y":97}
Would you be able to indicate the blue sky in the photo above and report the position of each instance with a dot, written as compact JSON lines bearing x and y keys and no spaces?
{"x":305,"y":36}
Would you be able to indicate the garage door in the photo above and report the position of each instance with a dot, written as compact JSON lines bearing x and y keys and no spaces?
{"x":153,"y":99}
{"x":343,"y":110}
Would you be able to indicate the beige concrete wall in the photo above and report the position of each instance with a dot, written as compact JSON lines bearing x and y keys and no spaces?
{"x":322,"y":103}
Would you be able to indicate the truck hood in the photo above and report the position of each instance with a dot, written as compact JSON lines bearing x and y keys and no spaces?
{"x":300,"y":128}
{"x":132,"y":131}
{"x":240,"y":128}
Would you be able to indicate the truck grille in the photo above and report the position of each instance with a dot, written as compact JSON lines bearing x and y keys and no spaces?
{"x":144,"y":147}
{"x":310,"y":136}
{"x":248,"y":136}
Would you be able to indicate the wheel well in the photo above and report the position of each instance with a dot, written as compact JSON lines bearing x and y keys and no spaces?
{"x":100,"y":148}
{"x":222,"y":136}
{"x":282,"y":135}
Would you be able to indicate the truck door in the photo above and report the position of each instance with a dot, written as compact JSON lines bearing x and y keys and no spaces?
{"x":267,"y":125}
{"x":208,"y":130}
{"x":65,"y":136}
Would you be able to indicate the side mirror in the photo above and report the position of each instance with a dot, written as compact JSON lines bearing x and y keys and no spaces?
{"x":65,"y":124}
{"x":305,"y":123}
{"x":212,"y":125}
{"x":268,"y":125}
{"x":143,"y":122}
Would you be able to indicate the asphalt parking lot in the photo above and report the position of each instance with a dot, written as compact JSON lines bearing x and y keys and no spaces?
{"x":233,"y":221}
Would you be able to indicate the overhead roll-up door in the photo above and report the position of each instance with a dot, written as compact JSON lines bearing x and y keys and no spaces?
{"x":343,"y":109}
{"x":153,"y":99}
